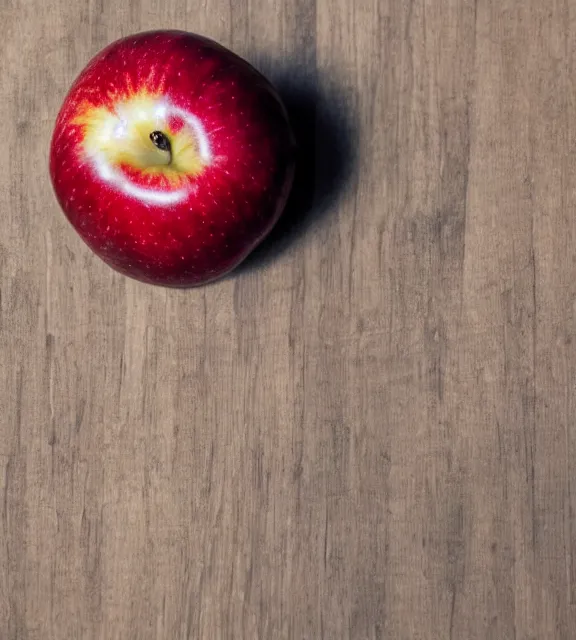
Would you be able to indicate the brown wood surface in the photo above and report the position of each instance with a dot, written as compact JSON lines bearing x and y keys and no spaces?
{"x":367,"y":432}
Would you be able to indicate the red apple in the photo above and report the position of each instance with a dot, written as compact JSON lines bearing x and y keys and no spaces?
{"x":172,"y":157}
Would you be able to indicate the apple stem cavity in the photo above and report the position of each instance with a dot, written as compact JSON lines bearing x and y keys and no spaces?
{"x":162,"y":142}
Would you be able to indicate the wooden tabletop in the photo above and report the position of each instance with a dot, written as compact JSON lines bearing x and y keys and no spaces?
{"x":366,"y":432}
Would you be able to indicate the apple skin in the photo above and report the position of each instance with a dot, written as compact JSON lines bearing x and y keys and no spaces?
{"x":178,"y":226}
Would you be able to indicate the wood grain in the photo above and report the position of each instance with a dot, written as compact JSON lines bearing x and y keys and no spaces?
{"x":369,"y":430}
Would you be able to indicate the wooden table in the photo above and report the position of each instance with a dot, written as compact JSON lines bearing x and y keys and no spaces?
{"x":369,"y":431}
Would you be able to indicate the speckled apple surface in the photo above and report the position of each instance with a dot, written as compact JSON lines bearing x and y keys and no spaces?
{"x":171,"y":157}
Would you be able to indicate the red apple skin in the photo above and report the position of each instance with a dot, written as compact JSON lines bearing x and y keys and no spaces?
{"x":229,"y":207}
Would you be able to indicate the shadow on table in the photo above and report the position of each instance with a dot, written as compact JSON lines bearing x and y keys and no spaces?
{"x":325,"y":161}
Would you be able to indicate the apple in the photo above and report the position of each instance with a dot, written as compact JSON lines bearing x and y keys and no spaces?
{"x":172,"y":157}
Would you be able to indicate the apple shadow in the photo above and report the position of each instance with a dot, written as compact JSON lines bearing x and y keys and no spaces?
{"x":324,"y":163}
